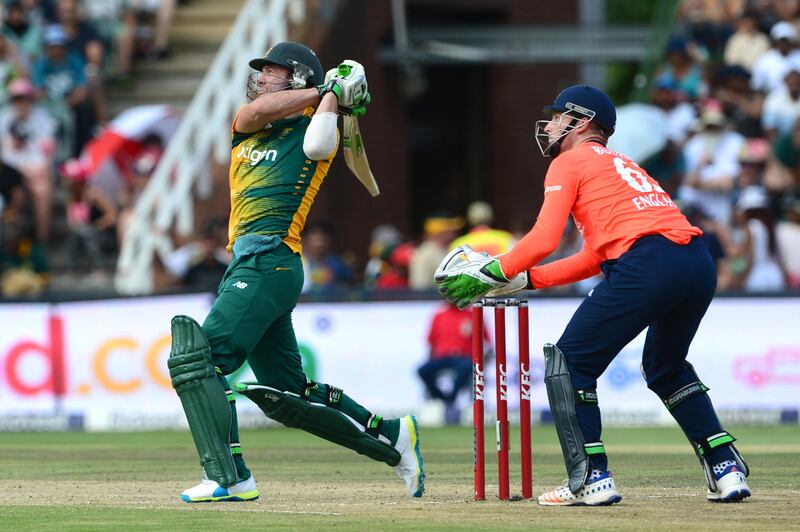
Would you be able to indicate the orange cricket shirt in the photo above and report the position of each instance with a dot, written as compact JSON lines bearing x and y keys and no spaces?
{"x":613,"y":202}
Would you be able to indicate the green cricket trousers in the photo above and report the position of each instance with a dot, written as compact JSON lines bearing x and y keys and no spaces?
{"x":251,"y":319}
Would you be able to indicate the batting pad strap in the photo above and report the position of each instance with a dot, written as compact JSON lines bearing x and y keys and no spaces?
{"x":684,"y":393}
{"x":373,"y":427}
{"x":586,"y":397}
{"x":330,"y":394}
{"x":594,"y":448}
{"x":716,"y":440}
{"x":334,"y":397}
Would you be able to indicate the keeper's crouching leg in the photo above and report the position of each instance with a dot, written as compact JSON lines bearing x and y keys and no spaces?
{"x":686,"y":398}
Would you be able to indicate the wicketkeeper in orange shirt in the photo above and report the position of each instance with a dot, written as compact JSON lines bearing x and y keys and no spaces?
{"x":658,"y":275}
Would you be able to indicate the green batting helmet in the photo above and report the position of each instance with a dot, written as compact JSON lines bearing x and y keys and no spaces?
{"x":299,"y":58}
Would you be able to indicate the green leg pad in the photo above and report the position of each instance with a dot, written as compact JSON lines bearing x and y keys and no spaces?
{"x":319,"y":420}
{"x":203,"y":398}
{"x":562,"y":404}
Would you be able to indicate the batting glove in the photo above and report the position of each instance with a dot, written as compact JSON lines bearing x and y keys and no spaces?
{"x":352,"y":84}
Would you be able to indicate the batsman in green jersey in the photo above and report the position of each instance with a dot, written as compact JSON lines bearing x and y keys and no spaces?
{"x":283,"y":142}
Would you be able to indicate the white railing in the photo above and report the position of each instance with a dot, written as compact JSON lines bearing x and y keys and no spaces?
{"x":204,"y":133}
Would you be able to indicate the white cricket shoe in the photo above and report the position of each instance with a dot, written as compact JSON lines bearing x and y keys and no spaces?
{"x":410,"y":468}
{"x":731,"y":486}
{"x":210,"y":491}
{"x":598,"y":491}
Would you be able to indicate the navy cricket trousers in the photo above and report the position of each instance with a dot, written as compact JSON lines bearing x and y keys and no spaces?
{"x":657,"y":284}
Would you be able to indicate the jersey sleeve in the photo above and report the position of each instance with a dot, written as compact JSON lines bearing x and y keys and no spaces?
{"x":560,"y":190}
{"x":235,"y":119}
{"x":581,"y":265}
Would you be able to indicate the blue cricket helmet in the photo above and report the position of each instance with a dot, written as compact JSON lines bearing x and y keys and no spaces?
{"x":587,"y":101}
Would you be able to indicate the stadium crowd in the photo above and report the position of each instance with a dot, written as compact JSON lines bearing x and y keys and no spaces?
{"x":727,"y":92}
{"x":729,"y":86}
{"x":57,"y":59}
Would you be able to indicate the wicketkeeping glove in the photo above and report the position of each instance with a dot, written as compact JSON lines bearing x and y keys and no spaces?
{"x":466,"y":275}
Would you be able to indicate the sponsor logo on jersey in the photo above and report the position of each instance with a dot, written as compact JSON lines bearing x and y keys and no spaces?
{"x":552,"y":188}
{"x":256,"y":156}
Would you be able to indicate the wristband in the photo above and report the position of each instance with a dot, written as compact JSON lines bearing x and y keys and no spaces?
{"x":332,"y":86}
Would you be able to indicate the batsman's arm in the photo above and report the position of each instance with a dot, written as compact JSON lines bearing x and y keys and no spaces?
{"x":322,"y":136}
{"x":577,"y":267}
{"x":272,"y":106}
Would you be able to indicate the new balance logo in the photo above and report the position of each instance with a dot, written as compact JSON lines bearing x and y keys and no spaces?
{"x":241,"y":285}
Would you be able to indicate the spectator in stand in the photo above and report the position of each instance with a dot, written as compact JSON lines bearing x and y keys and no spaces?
{"x":712,"y":164}
{"x":778,"y":10}
{"x":782,"y":106}
{"x":27,"y":143}
{"x":482,"y":237}
{"x":763,"y":270}
{"x":135,"y":179}
{"x":23,"y":262}
{"x":39,"y":11}
{"x":770,"y":68}
{"x":60,"y":82}
{"x":91,"y":217}
{"x":752,"y":163}
{"x":683,"y":70}
{"x":783,"y":168}
{"x":668,"y":166}
{"x":84,"y":40}
{"x":11,"y":67}
{"x":115,"y":22}
{"x":324,"y":270}
{"x":25,"y":35}
{"x":201,"y":263}
{"x":708,"y":23}
{"x":787,"y":234}
{"x":741,"y":104}
{"x":744,"y":46}
{"x":450,"y":344}
{"x":680,"y":115}
{"x":164,"y":13}
{"x":82,"y":36}
{"x":397,"y":262}
{"x":440,"y":229}
{"x":12,"y":188}
{"x":382,"y":240}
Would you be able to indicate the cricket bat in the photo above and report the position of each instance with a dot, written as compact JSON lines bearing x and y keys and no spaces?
{"x":356,"y":157}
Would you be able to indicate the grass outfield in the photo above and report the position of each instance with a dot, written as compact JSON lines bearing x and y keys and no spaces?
{"x":114,"y":481}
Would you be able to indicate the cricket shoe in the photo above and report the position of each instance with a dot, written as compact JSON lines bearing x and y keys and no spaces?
{"x":731,"y":485}
{"x":210,"y":491}
{"x":599,"y":490}
{"x":410,"y":467}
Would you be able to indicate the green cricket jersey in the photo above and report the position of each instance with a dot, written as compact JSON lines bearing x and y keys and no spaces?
{"x":273,"y":183}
